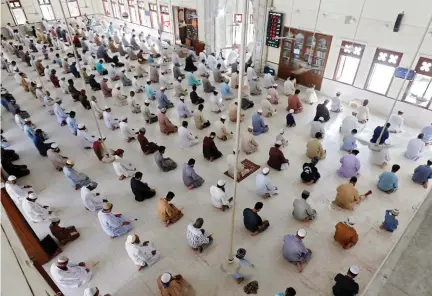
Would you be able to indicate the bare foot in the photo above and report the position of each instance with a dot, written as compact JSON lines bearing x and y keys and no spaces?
{"x":299,"y":267}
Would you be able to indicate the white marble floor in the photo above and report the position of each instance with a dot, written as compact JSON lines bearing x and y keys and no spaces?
{"x":115,"y":273}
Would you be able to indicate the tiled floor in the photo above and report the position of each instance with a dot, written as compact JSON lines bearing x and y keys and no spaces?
{"x":116,"y":274}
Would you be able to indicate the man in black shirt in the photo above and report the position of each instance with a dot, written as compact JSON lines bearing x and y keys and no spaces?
{"x":195,"y":99}
{"x":141,"y":190}
{"x":310,"y":174}
{"x":345,"y":284}
{"x":253,"y":221}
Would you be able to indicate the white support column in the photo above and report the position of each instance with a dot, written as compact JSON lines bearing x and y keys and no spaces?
{"x":261,"y":10}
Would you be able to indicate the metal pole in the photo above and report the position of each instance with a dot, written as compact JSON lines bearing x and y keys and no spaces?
{"x":79,"y":69}
{"x":411,"y":65}
{"x":239,"y":99}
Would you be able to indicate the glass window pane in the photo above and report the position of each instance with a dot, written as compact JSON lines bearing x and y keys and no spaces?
{"x":19,"y":15}
{"x":380,"y":78}
{"x":74,"y":8}
{"x":115,"y":10}
{"x":420,"y":92}
{"x":47,"y":12}
{"x":154,"y":19}
{"x":347,"y":69}
{"x":133,"y":15}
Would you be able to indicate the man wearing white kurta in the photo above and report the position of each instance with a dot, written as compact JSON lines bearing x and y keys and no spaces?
{"x":289,"y":86}
{"x":268,"y":80}
{"x":92,"y":201}
{"x":336,"y":103}
{"x":183,"y":110}
{"x":216,"y":103}
{"x":185,"y":137}
{"x":59,"y":113}
{"x":111,"y":123}
{"x":122,"y":168}
{"x":202,"y":69}
{"x":70,"y":275}
{"x":211,"y":62}
{"x":17,"y":192}
{"x":127,"y":133}
{"x":219,"y":197}
{"x":349,"y":123}
{"x":35,"y":211}
{"x":263,"y":186}
{"x":397,"y":122}
{"x":251,"y":74}
{"x":113,"y":224}
{"x":310,"y":95}
{"x":221,"y":130}
{"x":142,"y":254}
{"x":415,"y":148}
{"x":317,"y":127}
{"x":248,"y":142}
{"x":164,"y":81}
{"x":85,"y":139}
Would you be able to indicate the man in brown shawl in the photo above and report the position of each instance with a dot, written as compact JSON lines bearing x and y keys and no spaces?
{"x":63,"y":234}
{"x":146,"y":146}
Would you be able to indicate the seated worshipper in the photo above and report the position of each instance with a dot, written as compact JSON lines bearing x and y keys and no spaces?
{"x":185,"y":137}
{"x":294,"y":102}
{"x":150,"y":93}
{"x":112,"y":46}
{"x":126,"y":132}
{"x":302,"y":210}
{"x":289,"y":86}
{"x":363,"y":112}
{"x":120,"y":98}
{"x":202,"y":69}
{"x":217,"y":75}
{"x":73,"y":91}
{"x":268,"y":81}
{"x":248,"y":142}
{"x":66,"y":66}
{"x":226,"y":92}
{"x":111,"y":123}
{"x":165,"y":125}
{"x":350,"y":165}
{"x":314,"y":147}
{"x":388,"y":181}
{"x":71,"y":122}
{"x":423,"y":173}
{"x":294,"y":249}
{"x":166,"y":164}
{"x":35,"y":211}
{"x":199,"y":119}
{"x":76,"y":179}
{"x":427,"y":132}
{"x":258,"y":124}
{"x":349,"y":123}
{"x":121,"y":49}
{"x":74,"y":70}
{"x":219,"y":197}
{"x":182,"y":109}
{"x":100,"y":68}
{"x":40,"y":68}
{"x":234,"y":82}
{"x":141,"y":59}
{"x":162,"y":99}
{"x":69,"y":275}
{"x":210,"y":150}
{"x":253,"y":222}
{"x":267,"y":108}
{"x":141,"y":190}
{"x":17,"y":192}
{"x":254,"y":89}
{"x":63,"y":234}
{"x":112,"y":73}
{"x":281,"y":138}
{"x":164,"y":81}
{"x":135,"y":107}
{"x":380,"y":154}
{"x":113,"y":225}
{"x":345,"y":284}
{"x":57,"y":160}
{"x":192,"y":80}
{"x":322,"y":111}
{"x":345,"y":233}
{"x":146,"y":146}
{"x":149,"y":117}
{"x":195,"y":236}
{"x":134,"y":43}
{"x":122,"y":169}
{"x":317,"y":126}
{"x":241,"y":170}
{"x":245,"y":102}
{"x":179,"y":90}
{"x":415,"y":148}
{"x":168,"y":212}
{"x":310,"y":174}
{"x":290,"y":121}
{"x":397,"y":122}
{"x":154,"y":74}
{"x":177,"y":72}
{"x":106,"y":90}
{"x":170,"y":285}
{"x":336,"y":103}
{"x":132,"y":55}
{"x":262,"y":185}
{"x":277,"y":159}
{"x":274,"y":95}
{"x":216,"y":103}
{"x":349,"y":141}
{"x":141,"y":254}
{"x":347,"y":195}
{"x":310,"y":95}
{"x":233,"y":113}
{"x":125,"y":41}
{"x":82,"y":97}
{"x":377,"y":133}
{"x":390,"y":222}
{"x":221,"y":130}
{"x":190,"y":178}
{"x":59,"y":113}
{"x":189,"y":64}
{"x":251,"y":74}
{"x":92,"y":201}
{"x":93,"y":83}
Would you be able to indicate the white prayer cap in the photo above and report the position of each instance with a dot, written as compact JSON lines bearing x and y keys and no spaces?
{"x":90,"y":291}
{"x":281,"y":131}
{"x":387,"y":142}
{"x":278,"y":143}
{"x":269,"y":97}
{"x":350,"y":221}
{"x":301,"y":232}
{"x":275,"y":84}
{"x":12,"y":178}
{"x":147,"y":101}
{"x":321,"y":118}
{"x":395,"y":212}
{"x":265,"y":170}
{"x":179,"y":78}
{"x":106,"y":107}
{"x":223,"y":117}
{"x":163,"y":110}
{"x":55,"y":220}
{"x":123,"y":118}
{"x":39,"y":85}
{"x":117,"y":157}
{"x":131,"y":238}
{"x":162,"y":88}
{"x":182,"y":98}
{"x":54,"y":145}
{"x":221,"y":182}
{"x":80,"y":126}
{"x":32,"y":196}
{"x":354,"y":269}
{"x":291,"y":111}
{"x":165,"y":278}
{"x":70,"y":161}
{"x":259,"y":111}
{"x":62,"y":259}
{"x":250,"y":127}
{"x":27,"y":120}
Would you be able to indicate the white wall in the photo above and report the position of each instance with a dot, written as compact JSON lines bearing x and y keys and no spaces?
{"x":375,"y":31}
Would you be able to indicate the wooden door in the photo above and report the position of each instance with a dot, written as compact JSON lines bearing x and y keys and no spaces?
{"x":304,"y":56}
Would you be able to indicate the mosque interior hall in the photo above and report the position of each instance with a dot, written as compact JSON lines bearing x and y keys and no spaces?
{"x":216,"y":148}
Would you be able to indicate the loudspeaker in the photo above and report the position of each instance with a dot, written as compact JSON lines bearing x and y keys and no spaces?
{"x":398,"y":22}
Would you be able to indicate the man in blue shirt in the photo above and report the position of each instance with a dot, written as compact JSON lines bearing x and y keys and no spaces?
{"x":388,"y":181}
{"x":390,"y":222}
{"x":162,"y":99}
{"x":423,"y":173}
{"x":226,"y":92}
{"x":349,"y":141}
{"x":100,"y":68}
{"x":258,"y":124}
{"x":377,"y":133}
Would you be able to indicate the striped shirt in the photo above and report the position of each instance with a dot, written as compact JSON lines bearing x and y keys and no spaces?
{"x":195,"y":237}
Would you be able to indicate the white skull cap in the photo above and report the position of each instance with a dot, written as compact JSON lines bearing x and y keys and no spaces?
{"x":12,"y":178}
{"x":301,"y":232}
{"x":166,"y":277}
{"x":221,"y":182}
{"x":265,"y":170}
{"x":354,"y":269}
{"x":54,"y":145}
